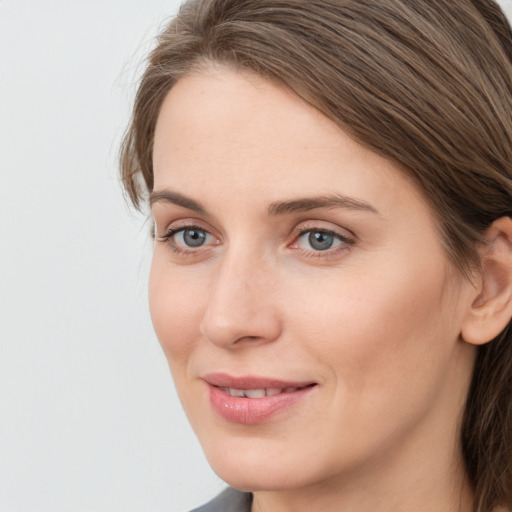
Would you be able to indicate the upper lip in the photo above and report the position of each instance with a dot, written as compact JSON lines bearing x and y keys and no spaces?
{"x":224,"y":380}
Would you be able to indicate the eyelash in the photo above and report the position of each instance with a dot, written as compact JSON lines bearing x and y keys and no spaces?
{"x":168,"y":239}
{"x":344,"y":241}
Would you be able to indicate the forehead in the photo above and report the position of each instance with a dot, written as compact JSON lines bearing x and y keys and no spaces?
{"x":237,"y":137}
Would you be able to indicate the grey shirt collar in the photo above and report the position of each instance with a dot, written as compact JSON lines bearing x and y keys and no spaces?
{"x":230,"y":500}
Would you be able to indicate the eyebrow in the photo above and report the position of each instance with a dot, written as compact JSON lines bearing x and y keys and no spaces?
{"x":275,"y":208}
{"x":312,"y":203}
{"x":167,"y":196}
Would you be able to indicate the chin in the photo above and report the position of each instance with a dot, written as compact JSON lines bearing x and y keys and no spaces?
{"x":261,"y":464}
{"x":250,"y":477}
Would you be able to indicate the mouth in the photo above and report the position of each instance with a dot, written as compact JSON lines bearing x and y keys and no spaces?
{"x":260,"y":392}
{"x":253,"y":400}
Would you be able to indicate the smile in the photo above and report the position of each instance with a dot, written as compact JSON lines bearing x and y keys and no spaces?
{"x":253,"y":400}
{"x":257,"y":393}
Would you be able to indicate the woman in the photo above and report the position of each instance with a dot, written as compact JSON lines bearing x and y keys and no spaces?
{"x":331,"y":187}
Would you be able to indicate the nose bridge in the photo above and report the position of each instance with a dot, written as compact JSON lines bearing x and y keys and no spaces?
{"x":235,"y":284}
{"x":240,"y":303}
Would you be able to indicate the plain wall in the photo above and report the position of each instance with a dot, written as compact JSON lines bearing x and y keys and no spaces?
{"x":89,"y":420}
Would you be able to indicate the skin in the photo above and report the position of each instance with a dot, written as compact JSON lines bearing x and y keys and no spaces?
{"x":375,"y":321}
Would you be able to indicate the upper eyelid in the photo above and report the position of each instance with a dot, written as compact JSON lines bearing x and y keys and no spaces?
{"x":318,"y":225}
{"x":170,"y":232}
{"x":182,"y":224}
{"x":302,"y":231}
{"x":350,"y":240}
{"x":177,"y":229}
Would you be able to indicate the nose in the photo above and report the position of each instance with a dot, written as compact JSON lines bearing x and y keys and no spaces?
{"x":241,"y":308}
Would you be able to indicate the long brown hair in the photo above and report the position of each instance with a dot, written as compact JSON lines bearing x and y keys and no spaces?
{"x":426,"y":83}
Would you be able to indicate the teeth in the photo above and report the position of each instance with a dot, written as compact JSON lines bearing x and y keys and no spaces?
{"x":257,"y":393}
{"x":254,"y":393}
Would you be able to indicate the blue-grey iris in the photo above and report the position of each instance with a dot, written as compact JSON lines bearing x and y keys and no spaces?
{"x":320,"y":241}
{"x":194,"y":237}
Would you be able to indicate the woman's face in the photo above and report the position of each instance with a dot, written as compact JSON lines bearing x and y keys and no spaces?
{"x":299,"y":289}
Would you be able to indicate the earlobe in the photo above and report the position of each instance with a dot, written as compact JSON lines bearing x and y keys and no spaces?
{"x":491,"y":308}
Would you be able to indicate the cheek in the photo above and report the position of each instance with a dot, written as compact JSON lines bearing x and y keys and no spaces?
{"x":377,"y":329}
{"x":175,"y":302}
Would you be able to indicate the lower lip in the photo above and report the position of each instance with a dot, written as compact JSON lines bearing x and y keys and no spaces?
{"x":250,"y":411}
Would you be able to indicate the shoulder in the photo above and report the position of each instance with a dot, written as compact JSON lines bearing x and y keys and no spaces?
{"x":230,"y":500}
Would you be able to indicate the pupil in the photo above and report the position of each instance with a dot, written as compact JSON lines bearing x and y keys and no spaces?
{"x":194,"y":238}
{"x":320,"y":241}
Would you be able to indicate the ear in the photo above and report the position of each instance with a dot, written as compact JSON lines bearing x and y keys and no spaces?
{"x":491,"y":308}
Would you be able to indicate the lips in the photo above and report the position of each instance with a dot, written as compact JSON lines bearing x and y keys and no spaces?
{"x":258,"y":393}
{"x":252,"y":400}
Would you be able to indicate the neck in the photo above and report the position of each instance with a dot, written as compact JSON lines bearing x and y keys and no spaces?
{"x":386,"y":488}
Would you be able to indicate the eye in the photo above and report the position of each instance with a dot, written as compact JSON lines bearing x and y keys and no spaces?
{"x":185,"y":239}
{"x":321,"y":240}
{"x":191,"y":237}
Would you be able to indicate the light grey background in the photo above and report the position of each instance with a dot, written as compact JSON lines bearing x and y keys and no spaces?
{"x":89,"y":420}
